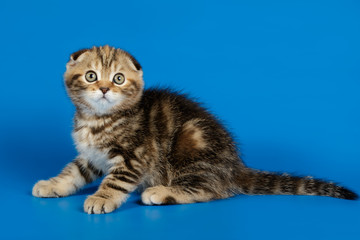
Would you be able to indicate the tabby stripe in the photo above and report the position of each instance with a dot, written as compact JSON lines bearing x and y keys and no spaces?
{"x":84,"y":173}
{"x":327,"y":189}
{"x":312,"y":186}
{"x":54,"y":180}
{"x":125,"y":173}
{"x":265,"y":184}
{"x":187,"y":190}
{"x":289,"y":184}
{"x":131,"y":168}
{"x":127,"y":155}
{"x":116,"y":187}
{"x":112,"y":57}
{"x":78,"y":128}
{"x":245,"y":190}
{"x":191,"y":190}
{"x":73,"y":78}
{"x":103,"y":195}
{"x":96,"y":171}
{"x":76,"y":76}
{"x":96,"y":130}
{"x":99,"y":54}
{"x":124,"y":179}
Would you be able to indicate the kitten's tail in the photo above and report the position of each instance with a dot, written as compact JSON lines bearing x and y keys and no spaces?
{"x":265,"y":183}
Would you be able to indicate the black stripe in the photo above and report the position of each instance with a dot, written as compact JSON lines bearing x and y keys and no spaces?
{"x":72,"y":79}
{"x":99,"y":53}
{"x":78,"y":128}
{"x":112,"y":56}
{"x":327,"y":189}
{"x":103,"y":195}
{"x":245,"y":190}
{"x":265,"y":183}
{"x":96,"y":130}
{"x":75,"y":76}
{"x":96,"y":171}
{"x":289,"y":184}
{"x":84,"y":173}
{"x":115,"y":152}
{"x":54,"y":180}
{"x":128,"y":155}
{"x":188,"y":190}
{"x":131,"y":168}
{"x":125,"y":173}
{"x":122,"y":178}
{"x":116,"y":187}
{"x":195,"y":181}
{"x":312,"y":186}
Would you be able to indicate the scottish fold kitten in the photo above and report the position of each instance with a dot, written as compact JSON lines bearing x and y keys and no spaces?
{"x":156,"y":140}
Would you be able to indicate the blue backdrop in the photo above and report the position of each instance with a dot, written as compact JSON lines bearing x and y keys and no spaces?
{"x":283,"y":75}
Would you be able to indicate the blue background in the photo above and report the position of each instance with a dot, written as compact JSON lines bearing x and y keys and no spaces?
{"x":283,"y":75}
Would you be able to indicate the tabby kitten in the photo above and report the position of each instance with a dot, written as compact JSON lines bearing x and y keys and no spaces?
{"x":155,"y":140}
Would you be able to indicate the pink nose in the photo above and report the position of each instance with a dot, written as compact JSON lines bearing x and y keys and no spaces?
{"x":104,"y":89}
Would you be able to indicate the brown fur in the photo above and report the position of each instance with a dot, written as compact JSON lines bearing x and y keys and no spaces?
{"x":157,"y":141}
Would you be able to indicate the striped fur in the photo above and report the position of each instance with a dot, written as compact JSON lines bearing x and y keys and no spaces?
{"x":158,"y":141}
{"x":256,"y":182}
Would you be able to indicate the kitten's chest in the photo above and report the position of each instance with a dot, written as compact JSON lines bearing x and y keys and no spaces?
{"x":95,"y":138}
{"x":90,"y":146}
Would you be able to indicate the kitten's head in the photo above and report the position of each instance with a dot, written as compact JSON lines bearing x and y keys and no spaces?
{"x":102,"y":80}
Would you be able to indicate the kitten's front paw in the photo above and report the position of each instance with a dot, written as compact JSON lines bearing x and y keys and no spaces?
{"x":98,"y":205}
{"x":49,"y":189}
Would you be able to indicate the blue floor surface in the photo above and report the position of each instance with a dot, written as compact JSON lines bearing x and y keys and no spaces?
{"x":241,"y":217}
{"x":283,"y":75}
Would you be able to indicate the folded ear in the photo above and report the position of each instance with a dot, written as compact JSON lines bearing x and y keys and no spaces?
{"x":135,"y":63}
{"x":75,"y":57}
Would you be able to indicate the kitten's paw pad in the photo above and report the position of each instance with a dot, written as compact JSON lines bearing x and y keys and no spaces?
{"x":49,"y":189}
{"x":98,"y":205}
{"x":158,"y":195}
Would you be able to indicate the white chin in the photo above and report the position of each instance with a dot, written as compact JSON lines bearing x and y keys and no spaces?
{"x":103,"y":101}
{"x":101,"y":108}
{"x":101,"y":105}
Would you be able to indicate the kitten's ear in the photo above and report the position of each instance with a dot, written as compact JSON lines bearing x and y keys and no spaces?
{"x":75,"y":57}
{"x":135,"y":63}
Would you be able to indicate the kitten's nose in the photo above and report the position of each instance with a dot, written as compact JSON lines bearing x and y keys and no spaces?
{"x":104,"y":89}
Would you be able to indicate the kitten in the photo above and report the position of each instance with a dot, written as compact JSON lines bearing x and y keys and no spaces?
{"x":155,"y":140}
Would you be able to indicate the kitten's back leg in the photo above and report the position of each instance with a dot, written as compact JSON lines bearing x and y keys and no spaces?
{"x":162,"y":195}
{"x":185,"y":189}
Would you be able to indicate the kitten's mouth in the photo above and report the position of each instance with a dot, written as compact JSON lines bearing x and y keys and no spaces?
{"x":103,"y":98}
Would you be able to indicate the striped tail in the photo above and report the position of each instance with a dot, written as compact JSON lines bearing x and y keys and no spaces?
{"x":264,"y":183}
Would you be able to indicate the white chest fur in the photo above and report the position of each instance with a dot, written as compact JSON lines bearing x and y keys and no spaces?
{"x":87,"y":146}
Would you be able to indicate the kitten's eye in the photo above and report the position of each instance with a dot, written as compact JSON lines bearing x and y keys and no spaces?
{"x":91,"y":76}
{"x":119,"y":78}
